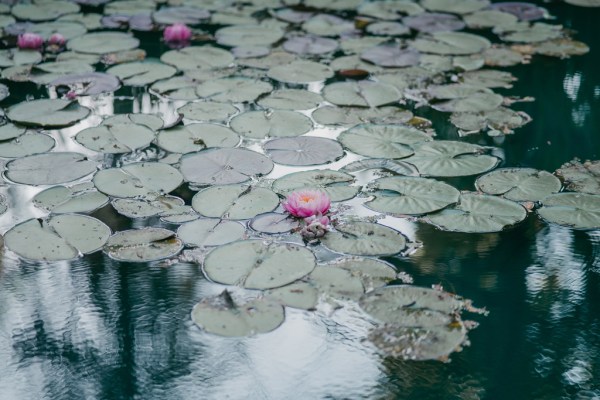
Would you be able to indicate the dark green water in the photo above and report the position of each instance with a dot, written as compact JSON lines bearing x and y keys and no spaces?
{"x":100,"y":329}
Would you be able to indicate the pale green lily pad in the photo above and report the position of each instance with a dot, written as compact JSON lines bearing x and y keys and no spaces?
{"x":114,"y":138}
{"x":10,"y":131}
{"x":49,"y":168}
{"x":455,"y":6}
{"x":208,"y":232}
{"x":176,"y":88}
{"x":372,"y":272}
{"x":181,"y":15}
{"x":51,"y":73}
{"x":207,"y":111}
{"x":353,"y":62}
{"x":395,"y":166}
{"x":233,"y":90}
{"x":336,"y":282}
{"x":16,"y":57}
{"x":335,"y":5}
{"x":529,"y":33}
{"x":144,"y":208}
{"x":447,"y":158}
{"x":60,"y":237}
{"x":68,"y":30}
{"x":391,"y":56}
{"x":389,"y":10}
{"x":300,"y":295}
{"x":198,"y":57}
{"x":575,"y":210}
{"x":26,"y":145}
{"x":152,"y":121}
{"x":328,"y":25}
{"x":336,"y":184}
{"x":519,"y":184}
{"x":47,"y":113}
{"x":498,"y":56}
{"x":307,"y":45}
{"x":478,"y":213}
{"x":291,"y":99}
{"x":411,"y":195}
{"x":476,"y":102}
{"x":44,"y":10}
{"x":274,"y":223}
{"x":271,"y":123}
{"x":501,"y":119}
{"x":234,"y":201}
{"x":489,"y":78}
{"x":364,"y":239}
{"x":83,"y":84}
{"x":362,"y":94}
{"x":387,"y":28}
{"x":142,"y":73}
{"x":103,"y":42}
{"x":584,"y":3}
{"x":489,"y":19}
{"x":247,"y":35}
{"x":220,"y":315}
{"x":356,"y":45}
{"x":3,"y":204}
{"x":254,"y":264}
{"x":455,"y":43}
{"x":143,"y":245}
{"x":195,"y":137}
{"x":91,"y":21}
{"x":563,"y":48}
{"x":330,"y":115}
{"x":300,"y":72}
{"x":382,"y":141}
{"x":303,"y":150}
{"x":130,"y":7}
{"x":138,"y":179}
{"x":581,"y":177}
{"x":224,"y":166}
{"x":81,"y":198}
{"x":267,"y":62}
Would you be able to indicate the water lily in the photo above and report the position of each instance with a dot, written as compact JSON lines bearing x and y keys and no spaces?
{"x":177,"y":33}
{"x":57,"y":40}
{"x":31,"y":41}
{"x":307,"y":203}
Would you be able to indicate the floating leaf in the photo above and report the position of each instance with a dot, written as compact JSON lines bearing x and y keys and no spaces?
{"x":254,"y":264}
{"x":575,"y":210}
{"x":330,"y":115}
{"x":47,"y":113}
{"x":49,"y":168}
{"x":143,"y":245}
{"x":207,"y":111}
{"x":195,"y":137}
{"x":176,"y":88}
{"x":584,"y":3}
{"x":181,"y":15}
{"x":455,"y":6}
{"x":233,"y":90}
{"x":391,"y":56}
{"x":328,"y":25}
{"x":502,"y":57}
{"x":61,"y":237}
{"x":88,"y":84}
{"x":334,"y":183}
{"x":363,"y":94}
{"x":580,"y":177}
{"x":411,"y":196}
{"x":396,"y":166}
{"x":138,"y":179}
{"x":274,"y":223}
{"x":142,"y":73}
{"x":81,"y":198}
{"x":271,"y":123}
{"x":478,"y":213}
{"x":519,"y":184}
{"x":223,"y":166}
{"x":15,"y":57}
{"x":234,"y":201}
{"x":198,"y":57}
{"x":389,"y":10}
{"x":152,"y":121}
{"x":44,"y":10}
{"x":144,"y":208}
{"x":489,"y":78}
{"x":385,"y":28}
{"x":310,"y":45}
{"x":247,"y":35}
{"x":300,"y":295}
{"x":300,"y":72}
{"x":274,"y":58}
{"x":489,"y":19}
{"x":10,"y":131}
{"x":434,"y":22}
{"x":364,"y":239}
{"x":291,"y":99}
{"x":480,"y":101}
{"x":222,"y":316}
{"x":385,"y":141}
{"x":208,"y":232}
{"x":501,"y":119}
{"x":68,"y":30}
{"x":115,"y":137}
{"x":456,"y":43}
{"x":336,"y":282}
{"x":303,"y":150}
{"x":529,"y":33}
{"x":562,"y":48}
{"x":372,"y":272}
{"x":103,"y":42}
{"x":522,"y":10}
{"x":26,"y":145}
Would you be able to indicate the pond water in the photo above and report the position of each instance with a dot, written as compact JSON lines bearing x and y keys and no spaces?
{"x":96,"y":328}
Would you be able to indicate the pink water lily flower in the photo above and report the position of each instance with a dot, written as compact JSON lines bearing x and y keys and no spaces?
{"x":177,"y":33}
{"x":57,"y":40}
{"x":307,"y":203}
{"x":31,"y":41}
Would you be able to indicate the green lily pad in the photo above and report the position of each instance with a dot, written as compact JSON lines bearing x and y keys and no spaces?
{"x":499,"y":56}
{"x":581,"y":177}
{"x":60,"y":237}
{"x":362,"y":94}
{"x":176,"y":88}
{"x":300,"y":295}
{"x":501,"y":119}
{"x":489,"y":78}
{"x":44,"y":11}
{"x":382,"y":141}
{"x":334,"y":183}
{"x":49,"y":168}
{"x":144,"y":208}
{"x":274,"y":223}
{"x":224,"y":166}
{"x":447,"y":158}
{"x":455,"y":6}
{"x":330,"y":115}
{"x":47,"y":113}
{"x":208,"y":232}
{"x":477,"y":102}
{"x":181,"y":15}
{"x":247,"y":35}
{"x":478,"y":213}
{"x":233,"y":90}
{"x":198,"y":57}
{"x":220,"y":315}
{"x":336,"y":282}
{"x":130,"y":7}
{"x":454,"y":43}
{"x":364,"y":239}
{"x":328,"y":25}
{"x":309,"y":45}
{"x":49,"y":72}
{"x":87,"y":84}
{"x":525,"y":32}
{"x":152,"y":121}
{"x":143,"y":245}
{"x":271,"y":123}
{"x":562,"y":47}
{"x":387,"y":28}
{"x":391,"y":56}
{"x":10,"y":131}
{"x":195,"y":137}
{"x":68,"y":30}
{"x":300,"y":72}
{"x":26,"y":145}
{"x":103,"y":43}
{"x":291,"y":99}
{"x":389,"y":10}
{"x":373,"y":273}
{"x":138,"y":179}
{"x":489,"y":19}
{"x":82,"y":198}
{"x":303,"y":150}
{"x":254,"y":264}
{"x":115,"y":138}
{"x":234,"y":201}
{"x":142,"y":73}
{"x":411,"y":196}
{"x":519,"y":184}
{"x":269,"y":61}
{"x":575,"y":210}
{"x":395,"y":166}
{"x":16,"y":57}
{"x":207,"y":111}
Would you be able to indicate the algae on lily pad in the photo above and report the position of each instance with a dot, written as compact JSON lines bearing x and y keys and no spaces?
{"x":364,"y":239}
{"x":234,"y":201}
{"x":519,"y":184}
{"x":575,"y":210}
{"x":143,"y":245}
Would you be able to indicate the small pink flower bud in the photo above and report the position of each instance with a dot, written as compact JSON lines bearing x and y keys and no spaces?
{"x":57,"y":39}
{"x":30,"y":40}
{"x":177,"y":33}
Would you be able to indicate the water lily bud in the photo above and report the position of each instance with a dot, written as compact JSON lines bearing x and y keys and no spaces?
{"x":57,"y":40}
{"x":30,"y":40}
{"x":177,"y":33}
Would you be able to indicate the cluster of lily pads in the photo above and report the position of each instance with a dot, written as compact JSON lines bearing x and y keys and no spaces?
{"x":324,"y":88}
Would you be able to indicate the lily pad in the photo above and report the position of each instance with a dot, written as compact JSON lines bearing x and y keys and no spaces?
{"x":391,"y":56}
{"x":454,"y":43}
{"x":389,"y":10}
{"x":382,"y":141}
{"x":274,"y":223}
{"x":234,"y":201}
{"x":26,"y":145}
{"x":411,"y":195}
{"x":176,"y":88}
{"x":336,"y":282}
{"x":223,"y":166}
{"x":222,"y":316}
{"x":387,"y":28}
{"x":529,"y":33}
{"x":581,"y":177}
{"x":144,"y":208}
{"x":519,"y":184}
{"x":372,"y":272}
{"x":336,"y":184}
{"x":300,"y":72}
{"x":364,"y":239}
{"x":562,"y":48}
{"x":291,"y":99}
{"x":233,"y":90}
{"x":207,"y":111}
{"x":15,"y":57}
{"x":522,"y":10}
{"x":303,"y":150}
{"x":44,"y":10}
{"x":208,"y":232}
{"x":49,"y":168}
{"x":350,"y":116}
{"x":142,"y":73}
{"x":88,"y":84}
{"x":198,"y":57}
{"x":47,"y":113}
{"x":575,"y":210}
{"x":181,"y":15}
{"x":68,"y":30}
{"x":489,"y":78}
{"x":247,"y":35}
{"x":328,"y":25}
{"x":138,"y":179}
{"x":395,"y":166}
{"x":115,"y":138}
{"x":254,"y":264}
{"x":455,"y":6}
{"x":103,"y":43}
{"x":362,"y":94}
{"x":10,"y":131}
{"x":477,"y":102}
{"x":60,"y":237}
{"x":152,"y":121}
{"x":310,"y":45}
{"x":501,"y":119}
{"x":489,"y":19}
{"x":300,"y":295}
{"x":143,"y":245}
{"x":478,"y":213}
{"x":195,"y":137}
{"x":271,"y":123}
{"x":74,"y":199}
{"x":434,"y":22}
